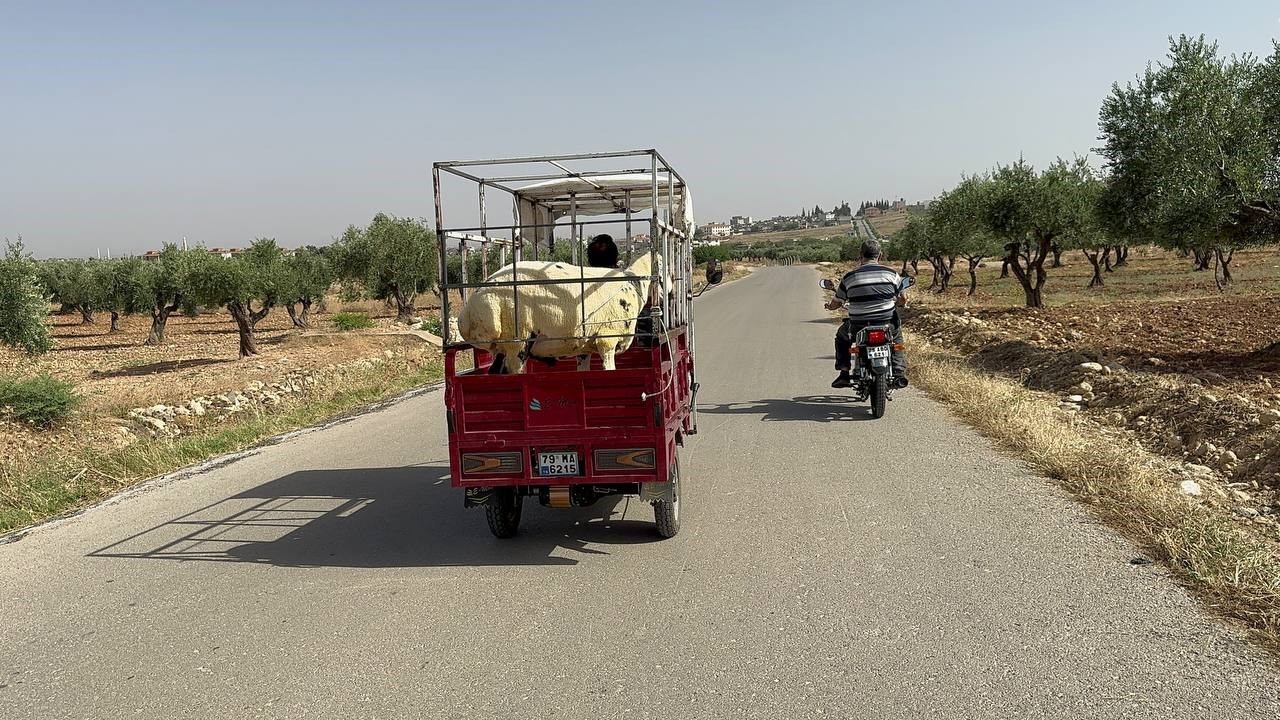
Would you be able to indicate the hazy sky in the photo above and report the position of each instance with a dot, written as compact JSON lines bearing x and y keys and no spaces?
{"x":127,"y":124}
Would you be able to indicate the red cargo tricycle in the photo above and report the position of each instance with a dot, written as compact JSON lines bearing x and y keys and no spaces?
{"x":564,"y":432}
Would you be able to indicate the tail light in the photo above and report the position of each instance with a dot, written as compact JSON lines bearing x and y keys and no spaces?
{"x":877,"y":337}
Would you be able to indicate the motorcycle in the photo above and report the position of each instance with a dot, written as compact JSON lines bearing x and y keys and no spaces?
{"x":871,"y":352}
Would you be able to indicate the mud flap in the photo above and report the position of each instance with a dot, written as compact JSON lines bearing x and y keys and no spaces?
{"x":650,"y":492}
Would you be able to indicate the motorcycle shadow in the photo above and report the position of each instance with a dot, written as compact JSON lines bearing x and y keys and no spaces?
{"x":805,"y":408}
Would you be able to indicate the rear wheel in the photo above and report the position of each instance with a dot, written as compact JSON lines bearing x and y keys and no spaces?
{"x":879,"y":396}
{"x":666,"y":513}
{"x":503,"y":512}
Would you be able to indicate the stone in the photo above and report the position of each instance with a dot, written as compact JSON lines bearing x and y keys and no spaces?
{"x":1269,"y":417}
{"x":196,"y":407}
{"x":1247,"y":512}
{"x":156,"y":424}
{"x":1083,"y":388}
{"x":1240,"y":496}
{"x":1091,"y":366}
{"x":1199,"y":470}
{"x":1075,"y":399}
{"x":1190,"y":487}
{"x":1069,"y":407}
{"x":1228,"y":458}
{"x":255,"y":385}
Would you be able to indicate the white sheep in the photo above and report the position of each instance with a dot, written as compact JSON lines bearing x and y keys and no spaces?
{"x":551,"y":316}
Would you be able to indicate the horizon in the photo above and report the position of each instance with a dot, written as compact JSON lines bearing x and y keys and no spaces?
{"x":133,"y":128}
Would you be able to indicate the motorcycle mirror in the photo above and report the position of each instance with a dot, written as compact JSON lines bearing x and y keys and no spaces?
{"x":715,"y":273}
{"x":826,"y":284}
{"x":907,"y":282}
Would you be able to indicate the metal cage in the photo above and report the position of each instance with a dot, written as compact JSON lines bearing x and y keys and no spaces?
{"x":543,"y":202}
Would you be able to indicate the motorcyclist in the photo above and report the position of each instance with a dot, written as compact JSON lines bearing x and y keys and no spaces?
{"x":872,"y":293}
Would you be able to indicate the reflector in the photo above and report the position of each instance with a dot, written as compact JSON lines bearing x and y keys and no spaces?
{"x":876,"y":337}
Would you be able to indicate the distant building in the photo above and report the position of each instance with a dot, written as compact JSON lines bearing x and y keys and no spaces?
{"x":714,"y":242}
{"x":900,"y":204}
{"x":716,"y":230}
{"x":151,"y":255}
{"x":739,"y":224}
{"x":843,"y":215}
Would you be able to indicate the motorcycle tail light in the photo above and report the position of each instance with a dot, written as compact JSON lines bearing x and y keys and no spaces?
{"x":876,"y":337}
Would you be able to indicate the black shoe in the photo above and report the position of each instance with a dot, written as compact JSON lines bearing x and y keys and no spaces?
{"x":842,"y":381}
{"x":899,"y":382}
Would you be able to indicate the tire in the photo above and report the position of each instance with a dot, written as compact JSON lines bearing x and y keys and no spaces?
{"x":879,"y":396}
{"x":503,"y":512}
{"x":666,"y":515}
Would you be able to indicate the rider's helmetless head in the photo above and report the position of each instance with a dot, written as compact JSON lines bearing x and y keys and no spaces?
{"x":870,"y":250}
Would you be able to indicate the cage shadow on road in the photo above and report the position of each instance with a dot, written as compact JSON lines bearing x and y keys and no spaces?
{"x":805,"y":408}
{"x":376,"y":517}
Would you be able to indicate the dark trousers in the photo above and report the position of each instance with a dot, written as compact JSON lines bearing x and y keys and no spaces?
{"x":849,"y":330}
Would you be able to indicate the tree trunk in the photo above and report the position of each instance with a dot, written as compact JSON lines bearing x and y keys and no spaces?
{"x":974,"y":262}
{"x":246,"y":320}
{"x":159,"y":317}
{"x":1057,"y":255}
{"x":404,"y":305}
{"x":1031,"y":275}
{"x":86,"y":313}
{"x":1203,"y":258}
{"x":1122,"y":255}
{"x":306,"y":311}
{"x":292,"y":309}
{"x":1097,"y":260}
{"x":1004,"y":269}
{"x":1222,"y":272}
{"x":115,"y":321}
{"x":1106,"y":262}
{"x":915,"y":266}
{"x":903,"y":271}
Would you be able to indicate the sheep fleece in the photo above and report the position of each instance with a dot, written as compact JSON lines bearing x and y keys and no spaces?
{"x":554,"y":312}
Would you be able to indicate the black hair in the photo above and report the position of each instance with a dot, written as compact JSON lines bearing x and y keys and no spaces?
{"x":602,"y":252}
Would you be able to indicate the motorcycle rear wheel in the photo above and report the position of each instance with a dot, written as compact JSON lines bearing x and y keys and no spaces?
{"x":879,"y":396}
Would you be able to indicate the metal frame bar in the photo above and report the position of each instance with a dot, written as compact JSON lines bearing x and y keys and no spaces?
{"x":664,"y":238}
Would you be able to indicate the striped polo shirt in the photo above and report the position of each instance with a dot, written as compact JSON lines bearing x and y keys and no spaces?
{"x":870,"y":291}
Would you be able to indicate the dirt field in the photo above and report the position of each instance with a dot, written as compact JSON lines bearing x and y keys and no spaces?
{"x":888,"y":223}
{"x":1183,"y":369}
{"x":115,"y":373}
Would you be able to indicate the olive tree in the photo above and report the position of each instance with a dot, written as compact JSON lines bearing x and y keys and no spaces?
{"x":1192,"y":152}
{"x":396,"y":258}
{"x":956,"y":219}
{"x":76,"y":284}
{"x":258,"y":276}
{"x":1030,"y":212}
{"x":124,"y":287}
{"x":308,"y":275}
{"x":23,"y":304}
{"x":164,"y":283}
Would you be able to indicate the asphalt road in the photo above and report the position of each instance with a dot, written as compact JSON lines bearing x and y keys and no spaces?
{"x":829,"y":566}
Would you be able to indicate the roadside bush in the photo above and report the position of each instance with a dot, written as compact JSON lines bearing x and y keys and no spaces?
{"x":432,"y":325}
{"x":352,"y":321}
{"x":40,"y":400}
{"x":22,"y":305}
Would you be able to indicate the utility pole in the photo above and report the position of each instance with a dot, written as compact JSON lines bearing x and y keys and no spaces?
{"x":184,"y":242}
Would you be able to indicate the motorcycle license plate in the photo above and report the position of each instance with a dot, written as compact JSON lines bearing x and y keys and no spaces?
{"x":879,"y":352}
{"x":557,"y":463}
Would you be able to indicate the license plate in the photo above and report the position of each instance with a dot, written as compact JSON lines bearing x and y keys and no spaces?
{"x":557,"y":463}
{"x":878,"y":352}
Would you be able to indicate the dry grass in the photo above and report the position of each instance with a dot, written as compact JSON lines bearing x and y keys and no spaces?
{"x":1235,"y":571}
{"x":888,"y":223}
{"x":71,"y":475}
